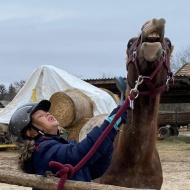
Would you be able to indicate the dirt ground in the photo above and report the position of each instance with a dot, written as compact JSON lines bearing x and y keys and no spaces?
{"x":174,"y":154}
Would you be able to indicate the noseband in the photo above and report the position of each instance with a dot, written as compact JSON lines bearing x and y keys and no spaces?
{"x":164,"y":61}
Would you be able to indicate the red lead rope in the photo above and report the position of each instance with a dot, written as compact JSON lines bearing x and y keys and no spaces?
{"x":66,"y":171}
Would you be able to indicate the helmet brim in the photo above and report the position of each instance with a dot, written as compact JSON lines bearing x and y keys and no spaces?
{"x":43,"y":105}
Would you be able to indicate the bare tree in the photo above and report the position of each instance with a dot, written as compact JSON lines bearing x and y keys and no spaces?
{"x":180,"y":58}
{"x":19,"y":85}
{"x":13,"y":89}
{"x":107,"y":75}
{"x":11,"y":92}
{"x":2,"y":91}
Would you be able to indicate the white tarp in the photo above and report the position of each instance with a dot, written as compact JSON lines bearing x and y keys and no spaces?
{"x":47,"y":80}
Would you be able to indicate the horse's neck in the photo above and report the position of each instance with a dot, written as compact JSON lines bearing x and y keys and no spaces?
{"x":137,"y":138}
{"x":144,"y":115}
{"x":145,"y":112}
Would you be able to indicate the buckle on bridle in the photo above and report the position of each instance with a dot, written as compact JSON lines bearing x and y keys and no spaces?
{"x":164,"y":54}
{"x":134,"y":54}
{"x":137,"y":83}
{"x":169,"y":79}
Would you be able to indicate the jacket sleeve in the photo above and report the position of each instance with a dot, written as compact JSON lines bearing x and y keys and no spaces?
{"x":76,"y":151}
{"x":98,"y":168}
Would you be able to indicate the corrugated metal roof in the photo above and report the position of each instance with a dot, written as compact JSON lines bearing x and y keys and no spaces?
{"x":108,"y":78}
{"x":184,"y":70}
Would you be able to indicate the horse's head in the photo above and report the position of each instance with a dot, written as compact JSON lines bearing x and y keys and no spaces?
{"x":149,"y":56}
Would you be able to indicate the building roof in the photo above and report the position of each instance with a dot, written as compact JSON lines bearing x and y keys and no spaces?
{"x":179,"y":90}
{"x":184,"y":71}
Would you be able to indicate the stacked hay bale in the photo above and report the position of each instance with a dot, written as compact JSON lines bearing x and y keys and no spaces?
{"x":95,"y":121}
{"x":73,"y":109}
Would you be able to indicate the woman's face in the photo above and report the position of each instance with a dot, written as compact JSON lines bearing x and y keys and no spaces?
{"x":45,"y":122}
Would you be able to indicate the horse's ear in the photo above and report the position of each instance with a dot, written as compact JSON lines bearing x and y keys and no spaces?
{"x":145,"y":24}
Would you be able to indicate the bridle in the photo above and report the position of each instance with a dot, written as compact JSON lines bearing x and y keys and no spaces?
{"x":164,"y":61}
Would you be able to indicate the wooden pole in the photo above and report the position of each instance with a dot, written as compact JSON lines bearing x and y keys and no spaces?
{"x":50,"y":183}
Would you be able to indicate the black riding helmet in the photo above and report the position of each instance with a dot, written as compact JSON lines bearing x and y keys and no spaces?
{"x":21,"y":119}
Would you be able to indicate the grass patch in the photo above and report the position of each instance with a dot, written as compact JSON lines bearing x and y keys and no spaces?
{"x":178,"y":143}
{"x":178,"y":139}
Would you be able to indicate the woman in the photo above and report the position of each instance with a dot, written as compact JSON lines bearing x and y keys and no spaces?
{"x":34,"y":123}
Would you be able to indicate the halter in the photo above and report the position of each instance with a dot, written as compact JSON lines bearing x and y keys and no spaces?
{"x":148,"y":79}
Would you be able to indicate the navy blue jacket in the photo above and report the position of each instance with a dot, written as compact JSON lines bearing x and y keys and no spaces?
{"x":57,"y":149}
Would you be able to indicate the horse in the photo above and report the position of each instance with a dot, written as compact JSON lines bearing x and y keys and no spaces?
{"x":135,"y":161}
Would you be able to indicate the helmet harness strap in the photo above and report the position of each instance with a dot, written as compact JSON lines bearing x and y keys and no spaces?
{"x":40,"y":132}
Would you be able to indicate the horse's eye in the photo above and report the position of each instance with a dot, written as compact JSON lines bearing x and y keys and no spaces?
{"x":168,"y":42}
{"x":129,"y":43}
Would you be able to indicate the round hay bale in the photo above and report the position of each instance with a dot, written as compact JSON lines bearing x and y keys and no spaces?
{"x":74,"y":130}
{"x":114,"y":96}
{"x":95,"y":121}
{"x":70,"y":106}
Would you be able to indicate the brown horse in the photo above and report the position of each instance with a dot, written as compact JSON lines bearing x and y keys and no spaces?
{"x":136,"y":162}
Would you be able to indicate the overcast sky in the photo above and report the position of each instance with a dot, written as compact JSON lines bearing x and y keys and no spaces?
{"x":86,"y":38}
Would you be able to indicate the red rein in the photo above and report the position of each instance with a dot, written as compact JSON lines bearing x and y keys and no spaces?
{"x":65,"y":171}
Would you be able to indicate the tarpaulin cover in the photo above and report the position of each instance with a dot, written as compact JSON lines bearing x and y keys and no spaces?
{"x":47,"y":80}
